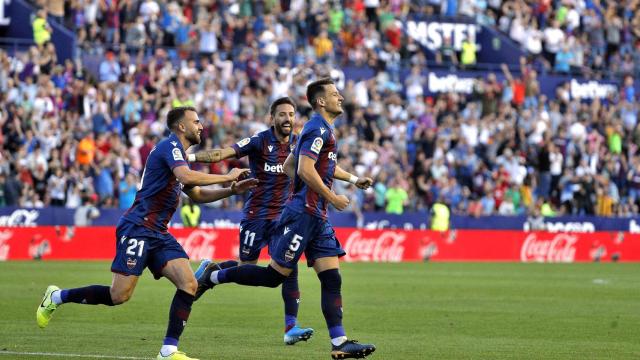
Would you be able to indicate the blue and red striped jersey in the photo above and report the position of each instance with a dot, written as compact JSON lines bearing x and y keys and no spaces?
{"x":266,"y":160}
{"x":159,"y":193}
{"x":317,"y":142}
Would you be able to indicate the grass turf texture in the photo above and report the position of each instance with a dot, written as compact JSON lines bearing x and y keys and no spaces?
{"x":410,"y":311}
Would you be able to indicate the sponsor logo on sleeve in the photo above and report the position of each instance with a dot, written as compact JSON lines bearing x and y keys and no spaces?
{"x":243,"y":142}
{"x":177,"y":154}
{"x":317,"y":145}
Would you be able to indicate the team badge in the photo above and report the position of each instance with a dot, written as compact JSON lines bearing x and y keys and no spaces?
{"x":289,"y":255}
{"x":131,"y":263}
{"x":177,"y":154}
{"x":243,"y":142}
{"x":317,"y":145}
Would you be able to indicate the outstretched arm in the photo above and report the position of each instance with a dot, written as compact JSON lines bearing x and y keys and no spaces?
{"x":188,"y":177}
{"x":204,"y":195}
{"x":212,"y":156}
{"x":362,"y":183}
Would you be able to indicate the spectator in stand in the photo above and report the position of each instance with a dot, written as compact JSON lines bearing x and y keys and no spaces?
{"x":109,"y":69}
{"x":85,"y":214}
{"x":127,"y":191}
{"x":41,"y":29}
{"x":397,"y":198}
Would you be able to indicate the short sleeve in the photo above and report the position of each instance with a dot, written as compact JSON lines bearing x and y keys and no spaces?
{"x":247,"y":145}
{"x":173,"y":156}
{"x":311,"y":143}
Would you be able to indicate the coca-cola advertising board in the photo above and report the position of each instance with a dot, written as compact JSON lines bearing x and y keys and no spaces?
{"x":98,"y":243}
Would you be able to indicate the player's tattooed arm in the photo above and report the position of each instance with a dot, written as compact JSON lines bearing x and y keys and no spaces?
{"x":188,"y":177}
{"x":205,"y":195}
{"x":289,"y":166}
{"x":362,"y":182}
{"x":212,"y":156}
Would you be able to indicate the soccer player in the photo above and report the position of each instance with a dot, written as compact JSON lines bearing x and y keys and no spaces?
{"x":142,"y":239}
{"x":267,"y":153}
{"x":303,"y":225}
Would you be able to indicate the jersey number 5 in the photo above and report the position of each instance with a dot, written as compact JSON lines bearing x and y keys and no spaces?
{"x":295,"y":242}
{"x":133,"y":244}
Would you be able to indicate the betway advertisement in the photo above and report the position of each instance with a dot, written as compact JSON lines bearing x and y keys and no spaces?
{"x":98,"y":243}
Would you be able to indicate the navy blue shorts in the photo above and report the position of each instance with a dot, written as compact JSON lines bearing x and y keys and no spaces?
{"x":299,"y":233}
{"x":138,"y":247}
{"x":255,"y":235}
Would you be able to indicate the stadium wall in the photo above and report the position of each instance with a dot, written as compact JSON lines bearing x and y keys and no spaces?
{"x":98,"y":243}
{"x":215,"y":218}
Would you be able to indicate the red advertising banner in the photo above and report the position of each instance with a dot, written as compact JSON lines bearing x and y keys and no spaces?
{"x":98,"y":243}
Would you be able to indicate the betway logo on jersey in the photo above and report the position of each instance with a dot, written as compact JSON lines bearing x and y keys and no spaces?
{"x":278,"y":168}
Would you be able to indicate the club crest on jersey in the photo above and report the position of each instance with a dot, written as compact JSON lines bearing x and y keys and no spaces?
{"x":317,"y":145}
{"x":270,"y":148}
{"x":243,"y":142}
{"x":289,"y":255}
{"x":322,"y":130}
{"x":177,"y":154}
{"x":131,"y":263}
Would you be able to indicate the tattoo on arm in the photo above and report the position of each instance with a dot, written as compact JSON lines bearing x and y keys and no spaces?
{"x":210,"y":156}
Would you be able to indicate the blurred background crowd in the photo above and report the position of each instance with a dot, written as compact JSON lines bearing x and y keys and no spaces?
{"x":72,"y":136}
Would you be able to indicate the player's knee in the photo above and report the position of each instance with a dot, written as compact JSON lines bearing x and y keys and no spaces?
{"x":330,"y":279}
{"x":275,"y":278}
{"x":120,"y":296}
{"x":190,"y":286}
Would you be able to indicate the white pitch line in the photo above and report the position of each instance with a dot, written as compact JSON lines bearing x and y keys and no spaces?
{"x":2,"y":352}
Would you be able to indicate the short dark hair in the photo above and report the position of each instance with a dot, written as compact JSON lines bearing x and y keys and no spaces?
{"x":280,"y":101}
{"x":315,"y":89}
{"x":176,"y":114}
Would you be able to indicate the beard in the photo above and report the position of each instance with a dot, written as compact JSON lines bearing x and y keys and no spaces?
{"x":194,"y":139}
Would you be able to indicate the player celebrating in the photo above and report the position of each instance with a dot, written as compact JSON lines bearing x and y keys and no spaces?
{"x":142,"y":239}
{"x":267,"y":152}
{"x":303,"y":225}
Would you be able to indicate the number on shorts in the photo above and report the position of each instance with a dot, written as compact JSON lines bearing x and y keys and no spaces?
{"x":249,"y":237}
{"x":295,"y":242}
{"x":133,"y":243}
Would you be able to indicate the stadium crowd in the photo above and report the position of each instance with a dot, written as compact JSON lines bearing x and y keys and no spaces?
{"x":69,"y":137}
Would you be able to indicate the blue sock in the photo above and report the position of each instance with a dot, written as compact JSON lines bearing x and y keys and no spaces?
{"x":291,"y":298}
{"x":90,"y":295}
{"x":170,"y":341}
{"x":251,"y":275}
{"x":331,"y":282}
{"x":178,"y":316}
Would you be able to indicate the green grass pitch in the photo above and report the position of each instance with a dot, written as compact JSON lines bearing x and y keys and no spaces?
{"x":410,"y":311}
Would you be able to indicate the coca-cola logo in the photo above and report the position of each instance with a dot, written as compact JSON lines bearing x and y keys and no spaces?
{"x":560,"y":248}
{"x":199,"y":244}
{"x":387,"y":246}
